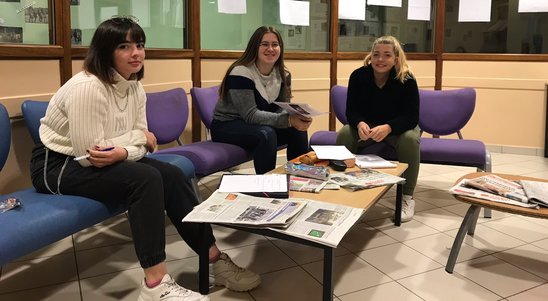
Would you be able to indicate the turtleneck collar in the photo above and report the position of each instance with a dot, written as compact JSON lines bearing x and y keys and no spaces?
{"x":122,"y":85}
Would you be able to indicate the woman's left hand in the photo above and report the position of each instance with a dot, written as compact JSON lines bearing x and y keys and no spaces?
{"x":300,"y":123}
{"x":380,"y":132}
{"x":101,"y":158}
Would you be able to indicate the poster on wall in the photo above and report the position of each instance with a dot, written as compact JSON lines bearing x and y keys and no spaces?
{"x":10,"y":0}
{"x":11,"y":34}
{"x":74,"y":2}
{"x":76,"y":36}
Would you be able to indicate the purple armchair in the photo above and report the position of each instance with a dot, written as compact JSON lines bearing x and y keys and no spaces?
{"x":167,"y":115}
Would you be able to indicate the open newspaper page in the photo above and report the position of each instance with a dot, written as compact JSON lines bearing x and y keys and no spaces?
{"x":497,"y":185}
{"x":301,"y":109}
{"x":536,"y":191}
{"x":240,"y":209}
{"x":363,"y":179}
{"x":462,"y":188}
{"x":305,"y":184}
{"x":373,"y":161}
{"x":323,"y":223}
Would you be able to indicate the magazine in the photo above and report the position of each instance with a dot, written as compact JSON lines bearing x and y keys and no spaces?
{"x":363,"y":179}
{"x":306,"y":184}
{"x":323,"y":223}
{"x":536,"y":191}
{"x":246,"y":210}
{"x":301,"y":109}
{"x":463,"y":189}
{"x":499,"y":186}
{"x":373,"y":161}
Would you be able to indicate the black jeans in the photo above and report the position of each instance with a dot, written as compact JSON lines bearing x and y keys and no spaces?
{"x":262,"y":140}
{"x":147,"y":187}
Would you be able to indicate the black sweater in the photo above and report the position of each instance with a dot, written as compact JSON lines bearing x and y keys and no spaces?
{"x":395,"y":104}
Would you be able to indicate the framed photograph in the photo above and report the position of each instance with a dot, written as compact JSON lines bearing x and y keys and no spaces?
{"x":11,"y":34}
{"x":74,"y":2}
{"x":36,"y":15}
{"x":76,"y":36}
{"x":10,"y":0}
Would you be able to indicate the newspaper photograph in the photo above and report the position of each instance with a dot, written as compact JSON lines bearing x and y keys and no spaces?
{"x":240,"y":209}
{"x":463,"y":189}
{"x":363,"y":179}
{"x":497,"y":185}
{"x":301,"y":109}
{"x":306,"y":184}
{"x":323,"y":223}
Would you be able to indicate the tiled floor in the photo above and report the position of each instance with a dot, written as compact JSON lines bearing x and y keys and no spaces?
{"x":507,"y":259}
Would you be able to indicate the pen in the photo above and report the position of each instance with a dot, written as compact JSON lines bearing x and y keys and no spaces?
{"x":87,"y":155}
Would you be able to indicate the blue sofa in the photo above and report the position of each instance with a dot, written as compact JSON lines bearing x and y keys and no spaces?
{"x":44,"y":219}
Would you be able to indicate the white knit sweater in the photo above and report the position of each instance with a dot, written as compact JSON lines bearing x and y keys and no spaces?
{"x":86,"y":112}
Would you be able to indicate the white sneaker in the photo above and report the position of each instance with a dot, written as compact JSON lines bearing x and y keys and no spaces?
{"x":407,"y":208}
{"x":226,"y":273}
{"x":169,"y":290}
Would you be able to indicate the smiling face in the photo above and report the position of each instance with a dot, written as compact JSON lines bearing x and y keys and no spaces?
{"x":129,"y":57}
{"x":383,"y":59}
{"x":269,"y":52}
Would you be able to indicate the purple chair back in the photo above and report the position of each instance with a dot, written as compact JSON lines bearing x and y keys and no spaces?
{"x":167,"y":114}
{"x":338,"y":100}
{"x":446,"y":112}
{"x":5,"y":135}
{"x":204,"y":100}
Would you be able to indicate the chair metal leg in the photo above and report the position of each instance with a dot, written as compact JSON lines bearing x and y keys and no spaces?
{"x":469,"y":219}
{"x":487,"y":168}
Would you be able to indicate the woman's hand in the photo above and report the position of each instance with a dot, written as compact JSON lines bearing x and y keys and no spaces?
{"x":300,"y":123}
{"x":151,"y":141}
{"x":364,"y":132}
{"x":99,"y":157}
{"x":380,"y":132}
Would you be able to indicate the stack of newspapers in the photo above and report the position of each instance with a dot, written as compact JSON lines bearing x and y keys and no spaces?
{"x":321,"y":222}
{"x":523,"y":193}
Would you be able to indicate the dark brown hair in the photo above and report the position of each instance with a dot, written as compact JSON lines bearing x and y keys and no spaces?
{"x":250,"y":56}
{"x":111,"y":33}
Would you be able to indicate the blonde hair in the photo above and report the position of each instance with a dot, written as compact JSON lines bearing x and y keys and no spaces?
{"x":402,"y":69}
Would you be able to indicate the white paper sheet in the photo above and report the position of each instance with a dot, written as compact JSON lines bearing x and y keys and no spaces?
{"x":334,"y":152}
{"x":295,"y":12}
{"x":475,"y":11}
{"x":532,"y":6}
{"x":418,"y":10}
{"x":352,"y":9}
{"x":394,"y":3}
{"x":232,"y":6}
{"x":254,"y":183}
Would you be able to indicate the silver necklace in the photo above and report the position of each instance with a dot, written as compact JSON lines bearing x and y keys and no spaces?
{"x":126,"y":104}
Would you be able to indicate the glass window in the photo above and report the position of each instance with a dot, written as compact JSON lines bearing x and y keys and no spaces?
{"x":221,"y":31}
{"x":163,"y":21}
{"x":507,"y":32}
{"x":25,"y":22}
{"x":415,"y":36}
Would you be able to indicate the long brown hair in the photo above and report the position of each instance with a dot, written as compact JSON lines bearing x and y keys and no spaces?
{"x":402,"y":69}
{"x":250,"y":56}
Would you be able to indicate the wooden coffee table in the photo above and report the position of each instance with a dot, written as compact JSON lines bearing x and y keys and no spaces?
{"x":470,"y":219}
{"x":364,"y":199}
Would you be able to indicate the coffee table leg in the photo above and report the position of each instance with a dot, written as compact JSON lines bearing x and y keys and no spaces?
{"x":327,"y":274}
{"x":397,"y":214}
{"x":203,"y":270}
{"x":469,"y":219}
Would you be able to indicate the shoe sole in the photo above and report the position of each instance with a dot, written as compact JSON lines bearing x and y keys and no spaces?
{"x":239,"y":288}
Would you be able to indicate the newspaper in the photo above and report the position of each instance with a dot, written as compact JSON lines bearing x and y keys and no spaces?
{"x":536,"y":191}
{"x":373,"y":161}
{"x":240,"y":209}
{"x":301,"y":109}
{"x":499,"y":186}
{"x":363,"y":179}
{"x":323,"y":223}
{"x":306,"y":184}
{"x":462,"y":188}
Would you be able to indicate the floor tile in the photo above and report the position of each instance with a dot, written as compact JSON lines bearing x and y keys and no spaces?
{"x":69,"y":291}
{"x":288,"y":284}
{"x":303,"y":254}
{"x":439,"y":285}
{"x":538,"y":293}
{"x":38,"y":272}
{"x":519,"y":228}
{"x":111,"y":233}
{"x":438,"y":247}
{"x":528,"y":257}
{"x":489,"y":240}
{"x":498,"y":276}
{"x":408,"y":230}
{"x":436,"y":197}
{"x":228,"y":238}
{"x":350,"y":274}
{"x":542,"y":244}
{"x":439,"y":219}
{"x":383,"y":292}
{"x":261,"y":258}
{"x":123,"y":286}
{"x":106,"y":260}
{"x":362,"y":237}
{"x":398,"y":260}
{"x":63,"y":246}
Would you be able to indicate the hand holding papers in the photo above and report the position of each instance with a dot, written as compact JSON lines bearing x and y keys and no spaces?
{"x":300,"y":109}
